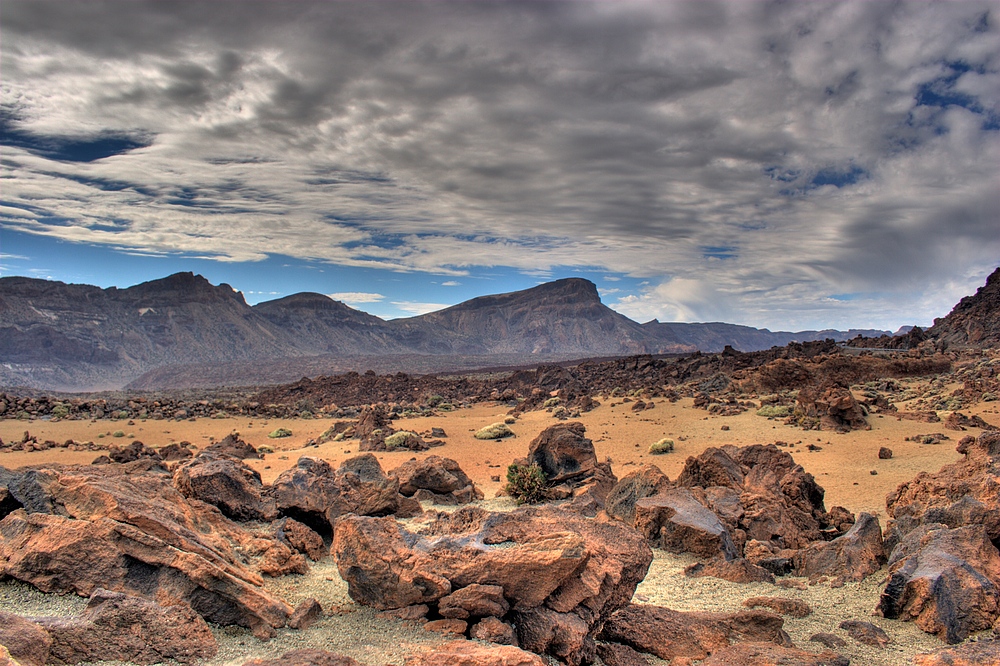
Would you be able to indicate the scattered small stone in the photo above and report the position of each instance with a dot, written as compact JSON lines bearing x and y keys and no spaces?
{"x":874,"y":472}
{"x":865,"y":632}
{"x":832,"y":641}
{"x":782,"y":605}
{"x":306,"y":614}
{"x":448,"y":627}
{"x":884,"y":453}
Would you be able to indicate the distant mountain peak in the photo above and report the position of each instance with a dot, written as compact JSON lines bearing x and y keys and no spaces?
{"x":975,"y":320}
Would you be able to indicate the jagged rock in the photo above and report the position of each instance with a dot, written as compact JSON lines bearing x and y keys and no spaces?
{"x":852,"y":556}
{"x":834,"y":407}
{"x":739,"y":570}
{"x":712,"y":467}
{"x":616,"y":654}
{"x":300,"y":537}
{"x":374,"y":425}
{"x":676,"y":522}
{"x":415,"y":613}
{"x":440,"y":480}
{"x":884,"y":453}
{"x":119,"y":627}
{"x":131,"y":453}
{"x":126,"y":528}
{"x":769,"y":654}
{"x":561,"y":572}
{"x":474,"y":601}
{"x":782,"y":605}
{"x":832,"y":641}
{"x":280,"y":560}
{"x":563,"y":453}
{"x":231,"y":446}
{"x":173,"y":452}
{"x":945,"y":580}
{"x":645,"y":482}
{"x":25,"y":641}
{"x":314,"y":493}
{"x":305,"y":614}
{"x":467,"y":653}
{"x":669,"y":634}
{"x":226,"y":483}
{"x":972,"y":653}
{"x":865,"y":632}
{"x":493,"y":630}
{"x":305,"y":657}
{"x":448,"y":627}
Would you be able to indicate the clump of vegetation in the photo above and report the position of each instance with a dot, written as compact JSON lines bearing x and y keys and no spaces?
{"x":526,"y":483}
{"x":265,"y":449}
{"x":551,"y":402}
{"x":280,"y":432}
{"x":60,"y":411}
{"x":435,"y":400}
{"x":510,"y":420}
{"x":398,"y":439}
{"x":446,"y":407}
{"x":118,"y":433}
{"x":989,"y":397}
{"x":775,"y":411}
{"x":495,"y":431}
{"x":665,"y":445}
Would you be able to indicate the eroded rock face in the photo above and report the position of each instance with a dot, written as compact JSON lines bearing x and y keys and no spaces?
{"x":316,"y":494}
{"x":563,"y":453}
{"x":645,"y":482}
{"x":677,"y":522}
{"x":944,"y":579}
{"x":834,"y":407}
{"x":669,"y":634}
{"x":25,"y":641}
{"x":852,"y":556}
{"x":231,"y":446}
{"x":974,"y":653}
{"x":440,"y":480}
{"x":226,"y":483}
{"x":116,"y":626}
{"x":561,"y":573}
{"x":305,"y":657}
{"x":126,"y":528}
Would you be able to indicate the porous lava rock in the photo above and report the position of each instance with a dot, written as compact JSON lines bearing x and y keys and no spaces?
{"x":305,"y":657}
{"x":131,"y":453}
{"x":439,"y":480}
{"x":569,"y":462}
{"x":306,"y":614}
{"x":865,"y":632}
{"x":467,"y":653}
{"x":561,"y":573}
{"x":25,"y":641}
{"x":781,"y":605}
{"x":493,"y":630}
{"x":852,"y":556}
{"x":945,"y":580}
{"x":645,"y":482}
{"x":677,"y":522}
{"x":971,"y":653}
{"x":769,"y":654}
{"x":834,"y":408}
{"x":374,"y":425}
{"x":300,"y":537}
{"x":226,"y":483}
{"x":231,"y":446}
{"x":120,"y":627}
{"x":669,"y":634}
{"x":616,"y":654}
{"x":314,"y":493}
{"x":127,"y":529}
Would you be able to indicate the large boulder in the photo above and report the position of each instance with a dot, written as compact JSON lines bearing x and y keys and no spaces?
{"x":769,"y":654}
{"x":645,"y":482}
{"x":669,"y":634}
{"x":374,"y":425}
{"x":852,"y":556}
{"x":944,"y":579}
{"x":972,"y":653}
{"x":712,"y":467}
{"x":127,"y":529}
{"x":677,"y":522}
{"x":25,"y":641}
{"x":467,"y":653}
{"x":563,"y":453}
{"x":119,"y":627}
{"x":314,"y":493}
{"x":226,"y":483}
{"x":231,"y":446}
{"x":833,"y":408}
{"x":561,"y":573}
{"x":439,"y":480}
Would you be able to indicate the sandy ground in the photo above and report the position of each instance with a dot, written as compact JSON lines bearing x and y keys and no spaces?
{"x":843,"y":467}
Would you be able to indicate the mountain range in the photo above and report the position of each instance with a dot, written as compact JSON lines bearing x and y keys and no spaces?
{"x":182,"y":331}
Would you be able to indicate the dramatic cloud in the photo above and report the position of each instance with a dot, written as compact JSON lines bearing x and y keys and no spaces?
{"x":772,"y":163}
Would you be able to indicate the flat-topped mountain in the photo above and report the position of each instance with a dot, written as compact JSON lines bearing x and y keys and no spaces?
{"x":181,"y":328}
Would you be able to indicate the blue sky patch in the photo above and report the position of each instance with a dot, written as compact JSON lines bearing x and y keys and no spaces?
{"x":68,"y":148}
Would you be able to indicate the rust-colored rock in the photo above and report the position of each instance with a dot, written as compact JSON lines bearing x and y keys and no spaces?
{"x":616,"y":654}
{"x":884,"y":453}
{"x":474,"y":601}
{"x":467,"y":653}
{"x":852,"y":556}
{"x":280,"y":560}
{"x":494,"y":630}
{"x":300,"y":537}
{"x":865,"y":632}
{"x":781,"y":605}
{"x":448,"y":627}
{"x":306,"y":614}
{"x":677,"y":522}
{"x":669,"y":634}
{"x":440,"y":480}
{"x":972,"y":653}
{"x":769,"y":654}
{"x":645,"y":482}
{"x":834,"y":407}
{"x":226,"y":483}
{"x":945,"y":580}
{"x":712,"y":467}
{"x":25,"y":641}
{"x":739,"y":570}
{"x":231,"y":446}
{"x":374,"y":425}
{"x":306,"y":657}
{"x":119,"y":627}
{"x":563,"y":452}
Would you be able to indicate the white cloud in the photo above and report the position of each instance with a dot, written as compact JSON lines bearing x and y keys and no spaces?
{"x":416,"y":308}
{"x":450,"y":283}
{"x":357,"y":297}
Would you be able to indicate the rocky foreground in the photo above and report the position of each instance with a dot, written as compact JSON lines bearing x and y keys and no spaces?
{"x":163,"y":542}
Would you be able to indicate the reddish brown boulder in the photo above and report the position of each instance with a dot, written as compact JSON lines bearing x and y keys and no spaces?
{"x":174,"y":451}
{"x":616,"y":654}
{"x":474,"y":601}
{"x":226,"y":483}
{"x":853,"y":556}
{"x":300,"y":537}
{"x":834,"y":407}
{"x":781,"y":605}
{"x":945,"y":580}
{"x":960,"y":421}
{"x":561,"y":573}
{"x":645,"y":482}
{"x":712,"y":467}
{"x":132,"y":452}
{"x":306,"y":614}
{"x":374,"y":425}
{"x":493,"y":630}
{"x":25,"y":641}
{"x":669,"y":634}
{"x":884,"y":453}
{"x":126,"y":528}
{"x":739,"y":570}
{"x":231,"y":446}
{"x":280,"y":560}
{"x":865,"y":632}
{"x":305,"y":657}
{"x":439,"y":480}
{"x":448,"y":627}
{"x":972,"y":653}
{"x":120,"y":627}
{"x":314,"y":493}
{"x":563,"y":453}
{"x":769,"y":654}
{"x":467,"y":653}
{"x":677,"y":522}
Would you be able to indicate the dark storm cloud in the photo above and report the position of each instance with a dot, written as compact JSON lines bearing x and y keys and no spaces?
{"x":748,"y":158}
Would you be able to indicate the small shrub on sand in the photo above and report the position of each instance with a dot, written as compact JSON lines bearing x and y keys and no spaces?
{"x":665,"y":445}
{"x":551,"y":402}
{"x":774,"y":411}
{"x":118,"y":433}
{"x":398,"y":439}
{"x":495,"y":431}
{"x":526,"y":483}
{"x":265,"y":449}
{"x":60,"y":411}
{"x":280,"y":432}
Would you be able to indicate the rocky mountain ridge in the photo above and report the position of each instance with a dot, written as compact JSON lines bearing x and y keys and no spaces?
{"x":71,"y":337}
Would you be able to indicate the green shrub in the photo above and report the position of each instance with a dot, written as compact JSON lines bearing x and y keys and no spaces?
{"x":280,"y":432}
{"x":435,"y":400}
{"x":446,"y":407}
{"x":665,"y":445}
{"x":398,"y":439}
{"x":551,"y":402}
{"x":989,"y":397}
{"x":495,"y":431}
{"x":60,"y":411}
{"x":775,"y":411}
{"x":526,"y":483}
{"x":265,"y":449}
{"x":118,"y":433}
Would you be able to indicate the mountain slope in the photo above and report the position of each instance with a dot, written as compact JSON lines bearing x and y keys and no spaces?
{"x":714,"y":336}
{"x":975,"y":321}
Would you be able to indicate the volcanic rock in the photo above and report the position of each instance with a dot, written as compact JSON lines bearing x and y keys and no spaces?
{"x":25,"y":641}
{"x":474,"y":601}
{"x":645,"y":482}
{"x":300,"y":537}
{"x":374,"y":425}
{"x":782,"y":605}
{"x":119,"y":627}
{"x":280,"y":560}
{"x":834,"y":407}
{"x":467,"y":653}
{"x":562,"y":573}
{"x":563,"y":453}
{"x":305,"y":657}
{"x":493,"y":630}
{"x":945,"y":580}
{"x":972,"y":653}
{"x":131,"y":453}
{"x":853,"y":556}
{"x":865,"y":632}
{"x":616,"y":654}
{"x":739,"y":570}
{"x":669,"y":634}
{"x":305,"y":614}
{"x":676,"y":522}
{"x":437,"y":479}
{"x":226,"y":483}
{"x":769,"y":654}
{"x":974,"y":321}
{"x":231,"y":446}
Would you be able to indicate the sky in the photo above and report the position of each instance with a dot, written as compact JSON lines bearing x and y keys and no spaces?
{"x":789,"y":164}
